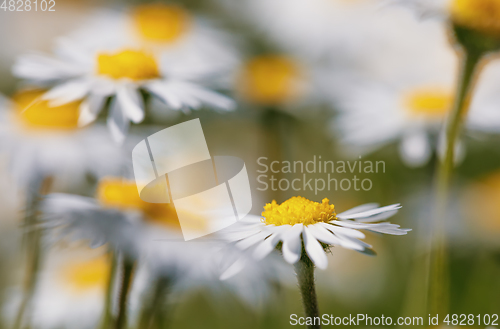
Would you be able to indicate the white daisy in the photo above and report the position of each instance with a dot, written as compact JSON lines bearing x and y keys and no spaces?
{"x":299,"y":223}
{"x":405,"y":91}
{"x":71,"y":290}
{"x":121,"y":69}
{"x":43,"y":141}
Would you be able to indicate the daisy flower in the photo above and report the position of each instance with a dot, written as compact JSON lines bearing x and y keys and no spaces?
{"x":71,"y":289}
{"x":273,"y":80}
{"x":42,"y":141}
{"x":406,"y":91}
{"x":300,"y":221}
{"x":119,"y":69}
{"x":303,"y":229}
{"x":150,"y":234}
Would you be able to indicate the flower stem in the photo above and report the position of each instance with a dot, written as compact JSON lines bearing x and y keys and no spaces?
{"x":304,"y":269}
{"x":155,"y":306}
{"x":126,"y":283}
{"x":32,"y":243}
{"x":108,"y":302}
{"x":438,"y":285}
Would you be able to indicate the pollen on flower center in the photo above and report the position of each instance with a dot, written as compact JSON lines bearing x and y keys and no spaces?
{"x":128,"y":64}
{"x":120,"y":193}
{"x":160,"y":22}
{"x":298,"y":210}
{"x":427,"y":102}
{"x":87,"y":275}
{"x":269,"y":79}
{"x":481,"y":15}
{"x":37,"y":113}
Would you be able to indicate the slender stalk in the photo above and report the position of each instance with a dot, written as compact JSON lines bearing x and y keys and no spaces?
{"x":438,"y":284}
{"x":32,"y":243}
{"x":108,"y":301}
{"x":154,"y":307}
{"x":304,"y":269}
{"x":126,"y":283}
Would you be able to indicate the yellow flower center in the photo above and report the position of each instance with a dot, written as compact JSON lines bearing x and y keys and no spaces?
{"x":481,"y":15}
{"x":427,"y":102}
{"x":87,"y":275}
{"x":298,"y":210}
{"x":36,"y":113}
{"x":269,"y":79}
{"x":161,"y":23}
{"x":128,"y":64}
{"x":120,"y":193}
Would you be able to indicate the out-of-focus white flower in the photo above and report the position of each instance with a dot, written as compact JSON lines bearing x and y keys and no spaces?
{"x":151,"y":233}
{"x":105,"y":60}
{"x":42,"y":140}
{"x":299,"y":223}
{"x":71,"y":289}
{"x":406,"y":90}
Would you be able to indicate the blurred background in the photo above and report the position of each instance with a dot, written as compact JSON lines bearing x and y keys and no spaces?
{"x":359,"y":80}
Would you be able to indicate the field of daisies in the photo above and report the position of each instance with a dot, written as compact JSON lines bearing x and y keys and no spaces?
{"x":369,"y":130}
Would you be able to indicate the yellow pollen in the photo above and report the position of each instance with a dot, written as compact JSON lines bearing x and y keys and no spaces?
{"x":160,"y":22}
{"x":36,"y":113}
{"x":87,"y":275}
{"x":298,"y":210}
{"x":269,"y":79}
{"x":128,"y":64}
{"x":122,"y":194}
{"x":428,"y":102}
{"x":480,"y":15}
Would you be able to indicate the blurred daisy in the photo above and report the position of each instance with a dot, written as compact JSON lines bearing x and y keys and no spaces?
{"x":71,"y":289}
{"x":44,"y":141}
{"x":93,"y":69}
{"x":273,"y":80}
{"x":116,"y":216}
{"x":300,"y":224}
{"x":407,"y":92}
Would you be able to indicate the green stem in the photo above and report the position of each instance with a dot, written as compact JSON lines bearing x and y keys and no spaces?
{"x":108,"y":301}
{"x":126,"y":283}
{"x":438,"y":284}
{"x":155,"y":306}
{"x":304,"y":269}
{"x":32,"y":242}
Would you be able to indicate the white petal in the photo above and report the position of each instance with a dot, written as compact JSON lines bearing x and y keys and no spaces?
{"x":165,"y":93}
{"x":234,"y":269}
{"x":266,"y":246}
{"x":345,"y":231}
{"x":131,"y":103}
{"x":252,"y":240}
{"x":363,"y":207}
{"x":324,"y":235}
{"x":67,"y":92}
{"x":314,"y":250}
{"x":386,"y":228}
{"x":370,"y":213}
{"x":292,"y":244}
{"x":90,"y":108}
{"x":118,"y":124}
{"x":415,"y":149}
